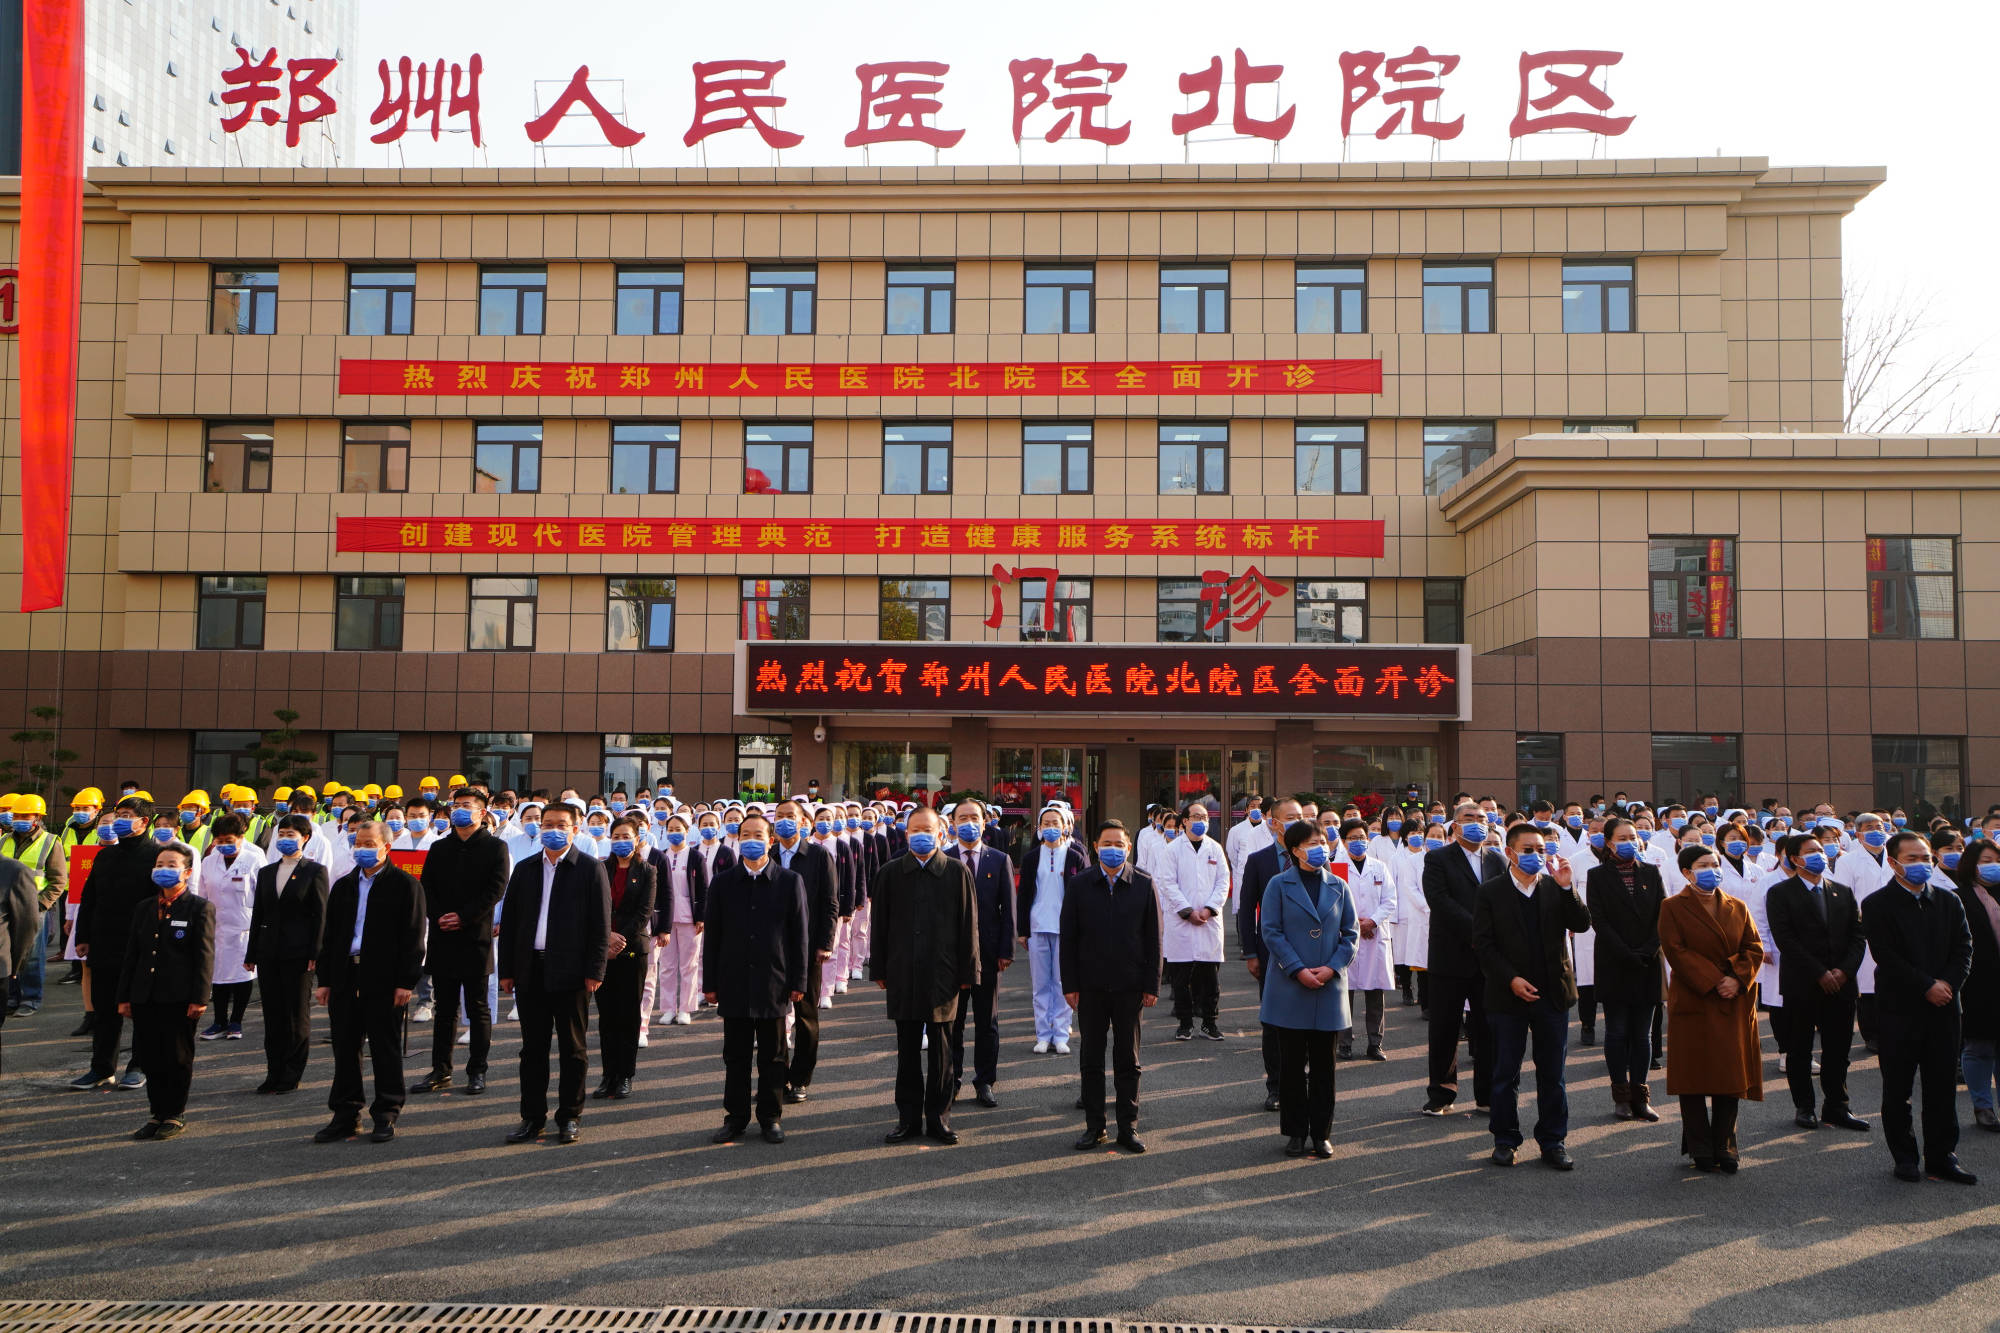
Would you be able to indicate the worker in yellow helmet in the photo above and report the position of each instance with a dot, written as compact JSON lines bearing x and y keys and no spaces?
{"x":84,"y":808}
{"x":428,"y":789}
{"x":29,"y":841}
{"x":194,"y":820}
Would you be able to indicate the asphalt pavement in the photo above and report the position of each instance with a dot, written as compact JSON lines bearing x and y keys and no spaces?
{"x":1407,"y":1227}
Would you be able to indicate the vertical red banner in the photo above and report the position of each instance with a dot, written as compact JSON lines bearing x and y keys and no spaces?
{"x":51,"y":266}
{"x":1878,"y":561}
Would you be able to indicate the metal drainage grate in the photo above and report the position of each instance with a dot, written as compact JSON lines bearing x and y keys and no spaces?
{"x":946,"y":1323}
{"x":602,"y":1320}
{"x":713,"y":1319}
{"x":830,"y":1321}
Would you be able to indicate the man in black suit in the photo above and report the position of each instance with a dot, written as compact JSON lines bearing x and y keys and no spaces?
{"x":821,"y":877}
{"x":287,"y":928}
{"x":1816,"y":929}
{"x":1518,"y":931}
{"x":1452,"y":876}
{"x":1923,"y":955}
{"x":121,"y":878}
{"x":926,"y":955}
{"x":1625,"y":896}
{"x":1111,"y":967}
{"x":465,"y":874}
{"x":163,"y":987}
{"x":756,"y":958}
{"x":369,"y":959}
{"x":993,"y":891}
{"x":555,"y":941}
{"x":1259,"y":869}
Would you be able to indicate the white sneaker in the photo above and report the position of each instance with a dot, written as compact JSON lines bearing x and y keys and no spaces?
{"x":684,"y":1019}
{"x":826,"y":1002}
{"x":1041,"y":1048}
{"x":424,"y":1014}
{"x":855,"y":975}
{"x":644,"y":1040}
{"x":1062,"y":1048}
{"x":514,"y":1014}
{"x":840,"y":988}
{"x":465,"y":1036}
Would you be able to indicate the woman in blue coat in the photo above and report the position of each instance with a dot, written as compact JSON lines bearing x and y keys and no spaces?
{"x":1307,"y":921}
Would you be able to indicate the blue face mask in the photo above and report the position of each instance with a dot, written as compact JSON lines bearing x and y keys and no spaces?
{"x":676,"y":838}
{"x":163,"y":835}
{"x":555,"y":839}
{"x":902,"y":824}
{"x":1472,"y":833}
{"x":1875,"y":838}
{"x":166,"y":876}
{"x":709,"y":832}
{"x":1989,"y":873}
{"x":22,"y":826}
{"x":822,"y":827}
{"x":662,"y":816}
{"x":1919,"y":874}
{"x":788,"y":828}
{"x":1051,"y":836}
{"x":395,"y":825}
{"x":188,"y":817}
{"x":1900,"y":820}
{"x":852,"y":823}
{"x":923,"y":844}
{"x":621,"y":847}
{"x":968,"y":832}
{"x":1530,"y":863}
{"x":1950,"y":859}
{"x":1356,"y":850}
{"x":461,"y":816}
{"x":753,"y":849}
{"x":367,"y":857}
{"x":1708,"y":840}
{"x":228,"y":850}
{"x":246,"y":810}
{"x":440,"y":824}
{"x":1317,"y":856}
{"x":1493,"y":817}
{"x":1574,"y":821}
{"x":1736,"y":846}
{"x":1543,"y":824}
{"x":600,"y":831}
{"x":1626,"y":850}
{"x":1170,"y":834}
{"x":1393,"y":825}
{"x":288,"y":846}
{"x":1708,"y":879}
{"x":1815,"y":862}
{"x":123,"y":828}
{"x":1256,"y":816}
{"x":1711,"y":811}
{"x":617,"y":806}
{"x":731,"y":828}
{"x":1198,"y":829}
{"x":1597,"y":842}
{"x":867,"y":823}
{"x":81,"y":817}
{"x":1113,"y":857}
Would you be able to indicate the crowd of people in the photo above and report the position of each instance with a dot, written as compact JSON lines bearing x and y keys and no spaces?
{"x":1677,"y":924}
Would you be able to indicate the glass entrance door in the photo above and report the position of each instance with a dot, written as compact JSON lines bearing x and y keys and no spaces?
{"x":1028,"y":777}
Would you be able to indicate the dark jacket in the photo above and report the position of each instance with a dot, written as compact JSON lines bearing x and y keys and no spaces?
{"x":1452,"y":891}
{"x":20,"y":916}
{"x":578,"y":943}
{"x":1627,"y":948}
{"x":120,"y":879}
{"x":1980,"y":996}
{"x":1111,"y":932}
{"x":755,"y":951}
{"x":661,"y":862}
{"x":1918,"y":939}
{"x":1259,"y":869}
{"x":466,"y":876}
{"x":993,"y":887}
{"x":170,"y":960}
{"x":1069,"y":859}
{"x":924,"y":937}
{"x":634,"y":913}
{"x":392,"y":934}
{"x":821,"y":877}
{"x":287,"y":927}
{"x":1808,"y":947}
{"x":847,"y":860}
{"x":1508,"y":948}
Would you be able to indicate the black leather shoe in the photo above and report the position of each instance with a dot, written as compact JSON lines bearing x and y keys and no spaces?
{"x":1503,"y":1157}
{"x":793,"y":1096}
{"x":384,"y":1131}
{"x":526,"y":1132}
{"x":1271,"y":1103}
{"x":944,"y":1134}
{"x":983,"y":1094}
{"x":336,"y":1131}
{"x":729,"y":1133}
{"x":621,"y":1089}
{"x":1295,"y":1146}
{"x":567,"y":1131}
{"x":475,"y":1084}
{"x":1558,"y":1157}
{"x":1323,"y":1149}
{"x":266,"y":1088}
{"x":433,"y":1082}
{"x":601,"y":1091}
{"x":1090,"y":1138}
{"x":1806,"y":1120}
{"x":151,"y":1130}
{"x":1705,"y":1164}
{"x":1079,"y":1104}
{"x":1131,"y":1142}
{"x":1845,"y":1120}
{"x":170,"y":1129}
{"x":957,"y":1086}
{"x":1951,"y":1173}
{"x":86,"y":1027}
{"x":1727,"y":1165}
{"x":1344,"y":1053}
{"x":774,"y":1133}
{"x":1588,"y":1037}
{"x":1909,"y":1171}
{"x":903,"y":1133}
{"x":1375,"y":1053}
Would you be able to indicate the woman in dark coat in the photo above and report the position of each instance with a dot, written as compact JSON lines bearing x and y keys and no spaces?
{"x":1713,"y":1057}
{"x":1977,"y":878}
{"x":633,"y":885}
{"x":1625,"y":895}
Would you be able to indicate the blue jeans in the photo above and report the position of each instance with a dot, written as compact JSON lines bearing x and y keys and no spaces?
{"x":26,"y":988}
{"x":1628,"y":1041}
{"x":1052,"y":1013}
{"x":1547,"y":1024}
{"x":1980,"y":1056}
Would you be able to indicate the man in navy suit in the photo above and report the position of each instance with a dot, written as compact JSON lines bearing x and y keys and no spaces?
{"x":1452,"y":879}
{"x":815,"y":867}
{"x":1259,"y":869}
{"x":993,"y":898}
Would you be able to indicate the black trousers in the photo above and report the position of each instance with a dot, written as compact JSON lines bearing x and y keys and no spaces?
{"x":805,"y":1029}
{"x":163,"y":1046}
{"x":1708,"y":1128}
{"x":923,"y":1078}
{"x":1586,"y":1006}
{"x":1270,"y":1041}
{"x":445,"y":993}
{"x":1867,"y":1020}
{"x":108,"y":1027}
{"x":1449,"y":996}
{"x":740,"y":1036}
{"x":618,"y":1014}
{"x":374,"y":1016}
{"x":228,"y":1001}
{"x":1113,"y":1014}
{"x":285,"y":990}
{"x":1197,"y":990}
{"x":1305,"y":1083}
{"x":1925,"y":1045}
{"x":1831,"y":1018}
{"x":979,"y":1001}
{"x":566,"y":1013}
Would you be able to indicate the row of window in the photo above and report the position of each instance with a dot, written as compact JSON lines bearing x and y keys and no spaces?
{"x":368,"y":611}
{"x":1912,"y":587}
{"x":1597,"y":297}
{"x":1057,"y":458}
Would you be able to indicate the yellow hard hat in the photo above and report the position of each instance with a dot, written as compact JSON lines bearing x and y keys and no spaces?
{"x":87,"y":797}
{"x":331,"y":787}
{"x":428,"y":782}
{"x":31,"y":804}
{"x":458,"y":780}
{"x":392,"y":793}
{"x":143,"y":796}
{"x":282,"y":794}
{"x":196,"y":797}
{"x":371,"y":790}
{"x":303,"y":790}
{"x":7,"y":801}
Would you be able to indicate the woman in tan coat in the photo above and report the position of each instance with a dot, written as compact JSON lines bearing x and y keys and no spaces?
{"x":1713,"y":1060}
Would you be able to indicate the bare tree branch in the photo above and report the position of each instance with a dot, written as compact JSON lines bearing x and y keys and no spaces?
{"x":1896,"y":385}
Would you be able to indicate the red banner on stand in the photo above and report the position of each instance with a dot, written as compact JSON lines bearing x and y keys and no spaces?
{"x":51,"y":265}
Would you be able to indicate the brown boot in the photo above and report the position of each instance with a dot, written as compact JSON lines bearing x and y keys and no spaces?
{"x":1642,"y":1104}
{"x":1621,"y":1100}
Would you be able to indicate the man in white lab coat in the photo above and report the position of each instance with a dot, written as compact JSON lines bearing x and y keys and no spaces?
{"x":1193,"y":885}
{"x":1864,"y":868}
{"x":1251,"y":834}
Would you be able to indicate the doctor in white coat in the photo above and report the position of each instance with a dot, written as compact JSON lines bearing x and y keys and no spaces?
{"x":1864,"y":868}
{"x":1192,"y":882}
{"x":1251,"y":835}
{"x":1371,"y":886}
{"x":1584,"y":855}
{"x":227,"y":877}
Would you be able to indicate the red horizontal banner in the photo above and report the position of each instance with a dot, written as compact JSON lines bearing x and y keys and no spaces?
{"x":1358,"y":538}
{"x":940,"y":379}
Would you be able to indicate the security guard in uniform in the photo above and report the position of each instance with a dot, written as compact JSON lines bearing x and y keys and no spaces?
{"x":164,"y":985}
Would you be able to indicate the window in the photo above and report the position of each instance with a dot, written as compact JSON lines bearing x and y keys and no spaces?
{"x":777,"y":458}
{"x":1599,"y":427}
{"x":362,"y":757}
{"x":1694,"y":587}
{"x":1058,"y":615}
{"x":1183,"y":614}
{"x":1458,"y":298}
{"x":380,"y":300}
{"x":781,"y":299}
{"x":1330,"y":457}
{"x":1538,"y":768}
{"x":1194,"y":299}
{"x":229,"y":611}
{"x":368,"y":613}
{"x":1688,"y":766}
{"x":245,"y":300}
{"x":776,"y":608}
{"x":1332,"y":298}
{"x":498,"y":759}
{"x":1912,"y":588}
{"x":916,"y":609}
{"x":1597,"y":298}
{"x":239,"y":456}
{"x":1194,"y":458}
{"x":512,"y":300}
{"x":1923,"y":776}
{"x":919,"y":299}
{"x":649,"y":300}
{"x":1058,"y":298}
{"x":1444,"y":610}
{"x":916,"y":458}
{"x":763,"y":767}
{"x":1331,"y":611}
{"x":641,"y":618}
{"x":502,"y":616}
{"x":645,"y":457}
{"x":216,"y":757}
{"x":635,"y":760}
{"x":1055,"y":458}
{"x":1452,"y":449}
{"x":506,"y":457}
{"x":374,"y":457}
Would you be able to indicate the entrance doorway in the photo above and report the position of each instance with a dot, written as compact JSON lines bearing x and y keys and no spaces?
{"x":1224,"y":780}
{"x":1028,"y":777}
